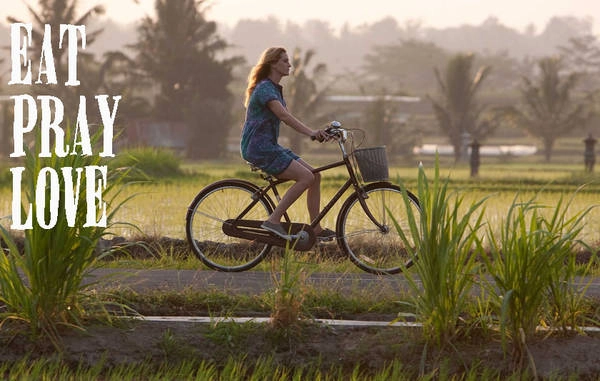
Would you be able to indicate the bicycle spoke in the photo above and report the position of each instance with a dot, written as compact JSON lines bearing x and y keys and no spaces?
{"x":209,"y":216}
{"x":214,"y":205}
{"x":383,"y":211}
{"x":361,"y":232}
{"x":370,"y":248}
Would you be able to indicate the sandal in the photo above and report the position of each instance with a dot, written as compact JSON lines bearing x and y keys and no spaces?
{"x":276,"y":229}
{"x":326,"y":235}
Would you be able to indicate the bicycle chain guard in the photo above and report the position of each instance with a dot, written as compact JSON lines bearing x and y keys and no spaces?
{"x":251,"y":230}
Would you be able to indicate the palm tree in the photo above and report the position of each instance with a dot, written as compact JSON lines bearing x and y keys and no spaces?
{"x":305,"y":96}
{"x":114,"y":73}
{"x":548,"y":110}
{"x":457,"y":112}
{"x":583,"y":52}
{"x":54,"y":13}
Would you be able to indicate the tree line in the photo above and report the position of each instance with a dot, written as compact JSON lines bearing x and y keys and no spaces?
{"x":549,"y":106}
{"x":180,"y":69}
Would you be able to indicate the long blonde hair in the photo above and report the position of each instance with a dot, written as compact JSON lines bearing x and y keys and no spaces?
{"x":262,"y":69}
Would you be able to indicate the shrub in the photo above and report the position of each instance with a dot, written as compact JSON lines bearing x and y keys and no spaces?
{"x":148,"y":163}
{"x":43,"y":286}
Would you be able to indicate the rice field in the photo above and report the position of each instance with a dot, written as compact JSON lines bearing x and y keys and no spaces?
{"x":159,"y":208}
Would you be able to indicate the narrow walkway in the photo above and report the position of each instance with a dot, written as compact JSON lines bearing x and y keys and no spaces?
{"x":256,"y":282}
{"x":327,"y":322}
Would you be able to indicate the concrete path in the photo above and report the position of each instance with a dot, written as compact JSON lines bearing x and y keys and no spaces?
{"x":256,"y":282}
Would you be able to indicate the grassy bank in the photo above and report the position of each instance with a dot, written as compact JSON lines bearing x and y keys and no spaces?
{"x":523,"y":199}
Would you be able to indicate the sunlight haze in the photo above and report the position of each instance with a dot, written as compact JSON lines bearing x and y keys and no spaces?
{"x":516,"y":14}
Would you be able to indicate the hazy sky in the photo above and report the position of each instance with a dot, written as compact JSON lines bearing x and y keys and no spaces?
{"x":432,"y":13}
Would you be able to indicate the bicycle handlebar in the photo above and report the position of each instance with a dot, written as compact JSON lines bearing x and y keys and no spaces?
{"x":335,"y":130}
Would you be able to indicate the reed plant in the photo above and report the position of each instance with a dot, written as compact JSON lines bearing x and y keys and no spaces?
{"x":289,"y":279}
{"x":568,"y":302}
{"x":42,"y":284}
{"x":444,"y":270}
{"x":532,"y":265}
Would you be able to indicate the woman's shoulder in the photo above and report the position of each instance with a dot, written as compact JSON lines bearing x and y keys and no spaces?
{"x":267,"y":89}
{"x":266,"y":84}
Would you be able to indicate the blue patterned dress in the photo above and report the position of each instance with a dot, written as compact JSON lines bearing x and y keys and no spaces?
{"x":261,"y":129}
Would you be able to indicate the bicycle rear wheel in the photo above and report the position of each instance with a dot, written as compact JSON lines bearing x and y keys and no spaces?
{"x":374,"y":249}
{"x":215,"y":204}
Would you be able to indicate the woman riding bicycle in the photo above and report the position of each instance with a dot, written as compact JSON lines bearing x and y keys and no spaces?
{"x":265,"y":109}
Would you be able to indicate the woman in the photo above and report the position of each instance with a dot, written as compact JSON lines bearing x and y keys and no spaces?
{"x":265,"y":109}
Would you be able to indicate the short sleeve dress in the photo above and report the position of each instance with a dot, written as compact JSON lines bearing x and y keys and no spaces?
{"x":259,"y":144}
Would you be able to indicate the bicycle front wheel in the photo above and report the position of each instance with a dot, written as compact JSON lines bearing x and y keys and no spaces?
{"x":214,"y":205}
{"x":378,"y":249}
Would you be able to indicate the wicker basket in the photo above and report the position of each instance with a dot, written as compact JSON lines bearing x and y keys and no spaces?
{"x":372,"y":163}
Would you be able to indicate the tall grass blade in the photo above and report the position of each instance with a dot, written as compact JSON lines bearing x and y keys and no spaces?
{"x":532,"y":264}
{"x":444,"y":265}
{"x":43,"y":286}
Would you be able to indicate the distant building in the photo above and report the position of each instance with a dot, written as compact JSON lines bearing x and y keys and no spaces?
{"x":350,"y":108}
{"x":484,"y":150}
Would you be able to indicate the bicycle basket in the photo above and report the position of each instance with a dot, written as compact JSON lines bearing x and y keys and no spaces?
{"x":372,"y":163}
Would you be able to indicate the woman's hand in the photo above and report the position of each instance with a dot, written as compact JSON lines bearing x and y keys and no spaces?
{"x":320,"y":135}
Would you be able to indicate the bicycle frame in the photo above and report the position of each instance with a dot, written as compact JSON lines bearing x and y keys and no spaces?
{"x":227,"y":238}
{"x":351,"y":182}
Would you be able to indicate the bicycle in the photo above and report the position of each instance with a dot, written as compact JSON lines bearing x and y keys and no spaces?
{"x":223,"y":221}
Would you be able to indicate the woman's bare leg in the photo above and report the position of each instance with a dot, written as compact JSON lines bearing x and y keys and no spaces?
{"x":313,"y":196}
{"x":303,"y":178}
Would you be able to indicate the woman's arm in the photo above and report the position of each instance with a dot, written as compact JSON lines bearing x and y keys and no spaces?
{"x":286,"y":117}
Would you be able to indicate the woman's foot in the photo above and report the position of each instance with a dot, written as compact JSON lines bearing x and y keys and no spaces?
{"x":276,"y":229}
{"x":326,"y":235}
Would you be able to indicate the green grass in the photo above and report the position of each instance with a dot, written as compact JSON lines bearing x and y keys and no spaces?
{"x":42,"y":285}
{"x":317,"y":302}
{"x":265,"y":368}
{"x":147,"y":163}
{"x":159,"y":207}
{"x":444,"y":268}
{"x":181,"y":359}
{"x":533,"y":270}
{"x":159,"y":210}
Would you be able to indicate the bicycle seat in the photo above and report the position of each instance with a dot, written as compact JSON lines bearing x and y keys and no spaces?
{"x":262,"y":173}
{"x":253,"y":167}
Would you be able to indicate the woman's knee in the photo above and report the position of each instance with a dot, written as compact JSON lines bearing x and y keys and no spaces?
{"x":307,"y":178}
{"x":299,"y":173}
{"x":317,"y":178}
